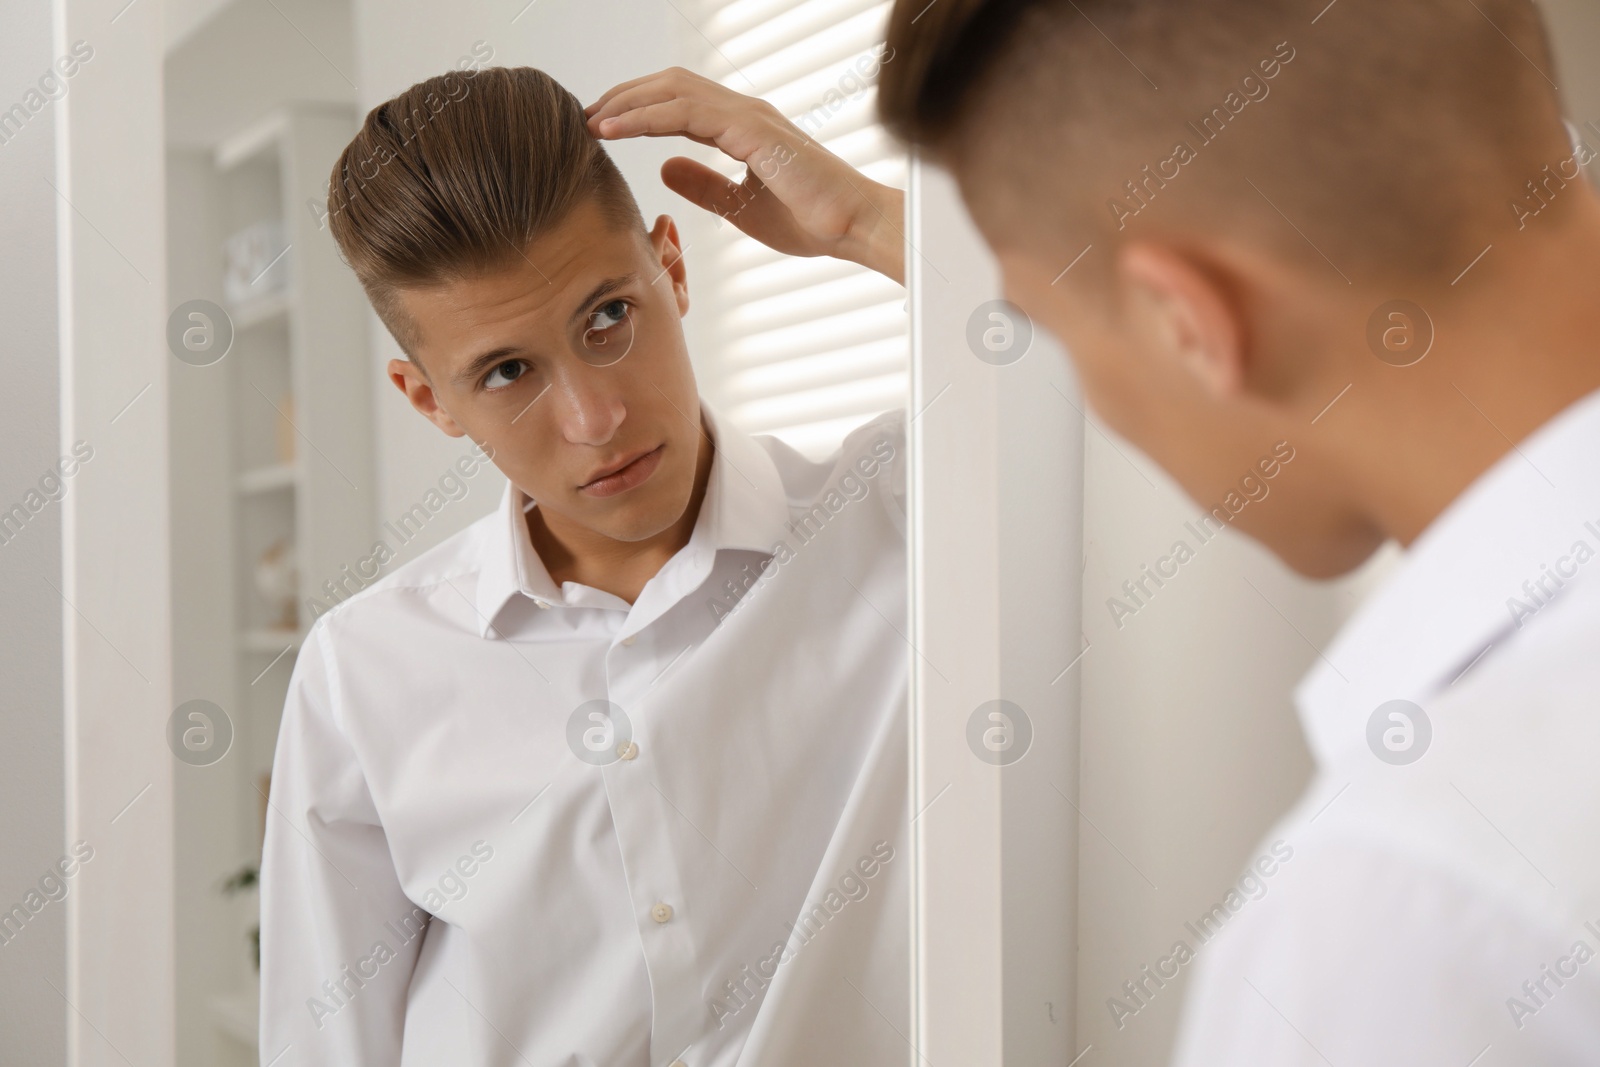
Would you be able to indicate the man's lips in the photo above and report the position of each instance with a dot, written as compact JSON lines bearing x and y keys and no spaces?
{"x":621,"y":477}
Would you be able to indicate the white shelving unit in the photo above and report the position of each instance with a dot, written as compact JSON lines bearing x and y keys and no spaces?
{"x":272,"y":451}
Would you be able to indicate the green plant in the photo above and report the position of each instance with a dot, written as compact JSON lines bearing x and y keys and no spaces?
{"x":244,"y":878}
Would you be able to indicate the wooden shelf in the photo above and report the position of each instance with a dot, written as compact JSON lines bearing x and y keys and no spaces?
{"x":267,"y":479}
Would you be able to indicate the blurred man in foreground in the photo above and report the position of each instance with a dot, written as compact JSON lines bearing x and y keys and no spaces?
{"x":1361,"y":228}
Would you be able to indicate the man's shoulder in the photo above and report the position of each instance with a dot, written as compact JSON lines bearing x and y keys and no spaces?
{"x":1553,"y":644}
{"x":871,"y":451}
{"x":1379,"y":956}
{"x":1421,"y":895}
{"x":458,"y":556}
{"x":1507,"y":748}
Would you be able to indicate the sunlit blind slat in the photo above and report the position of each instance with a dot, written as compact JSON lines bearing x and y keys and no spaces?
{"x":805,"y":349}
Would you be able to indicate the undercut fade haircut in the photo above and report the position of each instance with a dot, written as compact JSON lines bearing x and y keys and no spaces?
{"x":453,"y":178}
{"x":1384,"y":139}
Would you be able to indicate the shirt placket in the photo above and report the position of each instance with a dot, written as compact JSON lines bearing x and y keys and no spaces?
{"x":645,"y":820}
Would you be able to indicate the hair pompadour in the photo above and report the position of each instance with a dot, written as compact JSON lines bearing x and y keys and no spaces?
{"x":457,"y":174}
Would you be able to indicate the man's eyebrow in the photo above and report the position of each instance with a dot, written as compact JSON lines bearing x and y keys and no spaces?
{"x":605,"y":288}
{"x":483,"y":362}
{"x":479,"y":364}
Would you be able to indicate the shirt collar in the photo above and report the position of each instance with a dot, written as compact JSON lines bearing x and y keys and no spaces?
{"x":1451,"y":598}
{"x":745,"y":507}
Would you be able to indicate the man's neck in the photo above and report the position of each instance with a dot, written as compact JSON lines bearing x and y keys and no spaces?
{"x":1505,"y":362}
{"x":622,"y":568}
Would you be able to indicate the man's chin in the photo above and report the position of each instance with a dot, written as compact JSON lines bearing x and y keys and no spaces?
{"x":642,"y":526}
{"x":1324,"y":558}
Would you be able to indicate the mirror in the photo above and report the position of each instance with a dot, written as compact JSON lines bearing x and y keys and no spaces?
{"x":565,"y":684}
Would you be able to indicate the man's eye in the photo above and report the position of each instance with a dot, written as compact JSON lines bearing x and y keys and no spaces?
{"x":608,"y":315}
{"x":505,"y":374}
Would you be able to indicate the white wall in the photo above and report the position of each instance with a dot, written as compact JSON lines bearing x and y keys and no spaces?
{"x":233,"y":62}
{"x":588,"y":47}
{"x":1190,"y":744}
{"x":84,"y":583}
{"x":1577,"y":38}
{"x":184,"y":17}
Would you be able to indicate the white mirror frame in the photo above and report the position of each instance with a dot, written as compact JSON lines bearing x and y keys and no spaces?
{"x":995,"y":564}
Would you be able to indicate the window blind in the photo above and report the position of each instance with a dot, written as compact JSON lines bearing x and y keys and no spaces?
{"x":804,"y":349}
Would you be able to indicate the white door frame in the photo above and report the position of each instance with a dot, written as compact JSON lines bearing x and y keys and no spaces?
{"x":111,"y":274}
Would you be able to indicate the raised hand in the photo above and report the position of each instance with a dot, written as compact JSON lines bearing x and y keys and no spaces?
{"x":796,"y":196}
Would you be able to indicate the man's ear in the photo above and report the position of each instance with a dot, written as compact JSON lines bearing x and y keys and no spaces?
{"x":1183,"y":311}
{"x":411,"y":380}
{"x":669,"y":254}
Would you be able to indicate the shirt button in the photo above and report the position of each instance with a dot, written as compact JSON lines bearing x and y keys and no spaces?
{"x":677,"y":1063}
{"x":627,"y":750}
{"x":543,"y":605}
{"x":630,"y":639}
{"x":661,"y":913}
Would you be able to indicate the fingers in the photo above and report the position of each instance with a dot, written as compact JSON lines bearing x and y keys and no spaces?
{"x":624,"y":99}
{"x":629,"y":105}
{"x":659,"y":75}
{"x":731,"y":201}
{"x":620,"y":88}
{"x":665,"y":118}
{"x":701,"y":186}
{"x":668,"y":83}
{"x":676,"y":102}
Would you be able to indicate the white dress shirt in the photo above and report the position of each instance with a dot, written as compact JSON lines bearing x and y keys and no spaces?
{"x":463,"y":866}
{"x":1442,"y":911}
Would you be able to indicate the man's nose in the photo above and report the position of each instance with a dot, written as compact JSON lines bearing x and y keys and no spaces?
{"x":592,"y":407}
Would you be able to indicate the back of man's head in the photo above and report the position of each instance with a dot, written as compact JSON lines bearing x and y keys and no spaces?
{"x":1394,"y":135}
{"x":456,"y":175}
